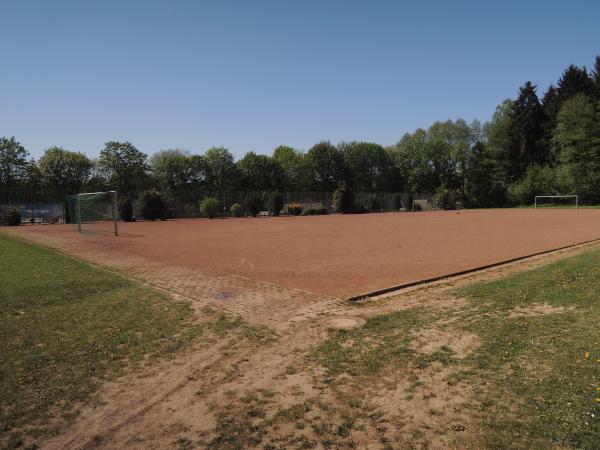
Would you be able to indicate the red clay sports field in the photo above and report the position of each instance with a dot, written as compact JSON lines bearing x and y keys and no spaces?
{"x":340,"y":255}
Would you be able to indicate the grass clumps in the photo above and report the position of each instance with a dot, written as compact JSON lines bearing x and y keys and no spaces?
{"x":543,"y":367}
{"x":65,"y":326}
{"x":383,"y":341}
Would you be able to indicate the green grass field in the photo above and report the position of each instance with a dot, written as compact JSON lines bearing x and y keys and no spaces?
{"x":546,"y":364}
{"x":65,"y":327}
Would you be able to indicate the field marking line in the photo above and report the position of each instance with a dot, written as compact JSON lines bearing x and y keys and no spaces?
{"x":403,"y":286}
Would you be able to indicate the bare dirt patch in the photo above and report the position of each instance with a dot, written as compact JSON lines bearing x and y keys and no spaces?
{"x":346,"y":323}
{"x":430,"y":340}
{"x":537,"y":309}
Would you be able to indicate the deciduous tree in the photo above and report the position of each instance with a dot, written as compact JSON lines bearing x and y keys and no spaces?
{"x":125,"y":166}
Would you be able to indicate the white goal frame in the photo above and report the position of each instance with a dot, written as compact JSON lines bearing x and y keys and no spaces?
{"x":115,"y":208}
{"x":576,"y":197}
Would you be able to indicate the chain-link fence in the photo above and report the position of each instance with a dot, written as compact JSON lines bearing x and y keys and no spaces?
{"x":283,"y":203}
{"x":42,"y":206}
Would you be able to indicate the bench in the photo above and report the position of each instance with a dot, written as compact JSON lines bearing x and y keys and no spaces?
{"x":31,"y":220}
{"x":263,"y":214}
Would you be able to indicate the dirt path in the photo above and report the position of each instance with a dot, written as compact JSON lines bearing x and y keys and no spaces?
{"x":234,"y":391}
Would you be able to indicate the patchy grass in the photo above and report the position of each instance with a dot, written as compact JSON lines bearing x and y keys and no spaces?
{"x":535,"y":377}
{"x":64,"y":327}
{"x":383,"y":341}
{"x":543,"y":370}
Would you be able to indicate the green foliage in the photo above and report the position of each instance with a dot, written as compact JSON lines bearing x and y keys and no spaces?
{"x":210,"y":207}
{"x":325,"y":164}
{"x":220,"y":169}
{"x":125,"y":165}
{"x":13,"y":165}
{"x":526,"y":131}
{"x":126,"y":210}
{"x":427,"y":161}
{"x":11,"y":218}
{"x":574,"y":81}
{"x":236,"y":210}
{"x":486,"y":178}
{"x":177,"y":172}
{"x":254,"y":204}
{"x":260,"y":173}
{"x":152,"y":205}
{"x":64,"y":170}
{"x":539,"y":180}
{"x":294,"y":166}
{"x":577,"y":142}
{"x":343,"y":199}
{"x":315,"y":212}
{"x":368,"y":165}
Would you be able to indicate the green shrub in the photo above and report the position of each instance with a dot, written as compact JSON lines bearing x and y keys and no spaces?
{"x":540,"y":180}
{"x":209,"y":207}
{"x":12,"y":218}
{"x":152,"y":206}
{"x":315,"y":212}
{"x":310,"y":212}
{"x":343,"y":199}
{"x":254,"y":205}
{"x":236,"y":210}
{"x":126,"y":210}
{"x":277,"y":204}
{"x":295,"y":209}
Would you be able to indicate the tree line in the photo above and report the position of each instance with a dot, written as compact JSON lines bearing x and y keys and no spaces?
{"x":531,"y":146}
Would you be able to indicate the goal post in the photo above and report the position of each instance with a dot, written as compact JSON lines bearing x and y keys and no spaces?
{"x":94,"y":212}
{"x":555,"y":201}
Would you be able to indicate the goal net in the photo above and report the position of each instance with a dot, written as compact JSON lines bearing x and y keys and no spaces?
{"x":94,"y":212}
{"x":556,"y":201}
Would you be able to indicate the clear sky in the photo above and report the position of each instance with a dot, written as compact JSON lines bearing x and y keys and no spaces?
{"x":251,"y":75}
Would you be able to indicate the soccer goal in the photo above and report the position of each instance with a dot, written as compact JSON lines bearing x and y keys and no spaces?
{"x":556,"y":201}
{"x":94,"y":212}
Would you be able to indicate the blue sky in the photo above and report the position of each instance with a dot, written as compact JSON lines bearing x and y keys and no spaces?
{"x":251,"y":75}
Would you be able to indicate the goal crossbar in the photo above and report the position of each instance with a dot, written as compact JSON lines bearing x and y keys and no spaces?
{"x":90,"y":207}
{"x":576,"y":197}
